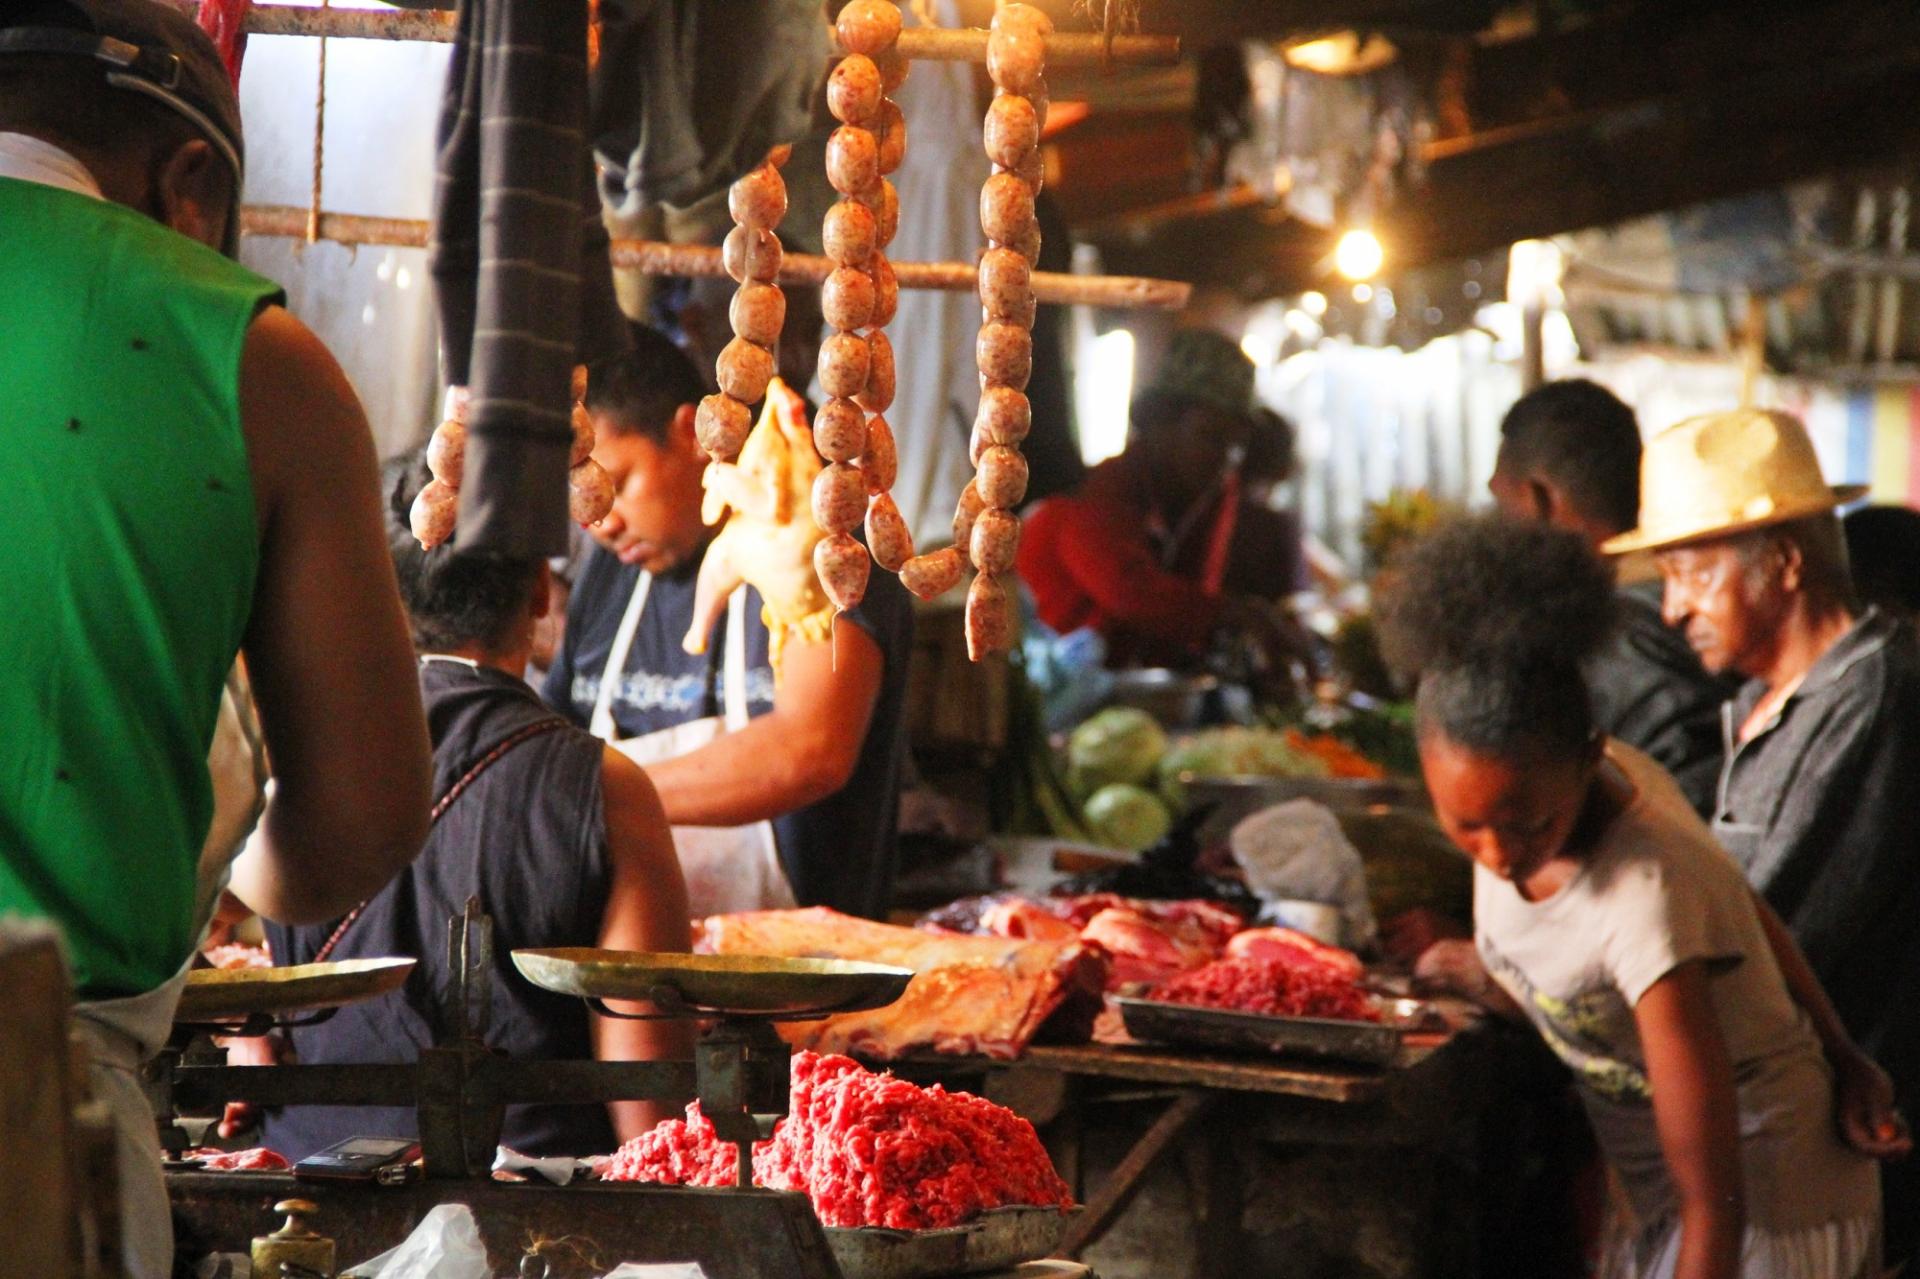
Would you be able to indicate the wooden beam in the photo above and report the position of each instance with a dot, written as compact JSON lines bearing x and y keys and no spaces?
{"x":1746,"y":135}
{"x":1207,"y":22}
{"x":1657,"y":51}
{"x":1586,"y":168}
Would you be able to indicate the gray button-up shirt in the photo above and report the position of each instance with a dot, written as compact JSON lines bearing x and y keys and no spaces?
{"x":1822,"y":809}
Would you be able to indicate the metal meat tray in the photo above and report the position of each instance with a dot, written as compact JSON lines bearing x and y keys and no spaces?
{"x":1369,"y":1043}
{"x":997,"y":1240}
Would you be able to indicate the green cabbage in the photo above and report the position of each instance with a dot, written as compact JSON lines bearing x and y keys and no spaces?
{"x":1123,"y":816}
{"x":1234,"y":752}
{"x":1120,"y":745}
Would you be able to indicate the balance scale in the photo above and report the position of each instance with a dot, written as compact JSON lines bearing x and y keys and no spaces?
{"x":460,"y":1088}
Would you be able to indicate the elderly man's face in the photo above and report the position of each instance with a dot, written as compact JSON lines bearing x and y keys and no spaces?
{"x":1728,"y":598}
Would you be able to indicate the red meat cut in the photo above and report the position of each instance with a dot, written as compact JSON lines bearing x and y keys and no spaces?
{"x":1290,"y":946}
{"x":867,"y":1149}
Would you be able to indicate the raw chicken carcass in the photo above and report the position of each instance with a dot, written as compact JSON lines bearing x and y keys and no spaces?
{"x":770,"y":534}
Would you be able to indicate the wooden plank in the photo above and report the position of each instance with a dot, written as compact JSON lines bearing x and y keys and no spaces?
{"x":733,"y":1234}
{"x":37,"y":1194}
{"x":1120,"y":1187}
{"x":1325,"y":1082}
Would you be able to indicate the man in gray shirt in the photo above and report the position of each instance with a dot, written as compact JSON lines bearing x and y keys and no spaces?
{"x":1570,"y":456}
{"x":1818,"y":799}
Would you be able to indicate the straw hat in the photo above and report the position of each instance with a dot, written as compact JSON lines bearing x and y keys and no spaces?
{"x":1725,"y":473}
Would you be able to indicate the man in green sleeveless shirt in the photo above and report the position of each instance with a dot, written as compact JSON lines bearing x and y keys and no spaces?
{"x":184,"y":474}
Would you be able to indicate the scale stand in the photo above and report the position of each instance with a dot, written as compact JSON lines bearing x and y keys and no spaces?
{"x":460,"y":1088}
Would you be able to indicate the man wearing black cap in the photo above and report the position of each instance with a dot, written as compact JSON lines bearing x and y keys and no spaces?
{"x":186,"y":474}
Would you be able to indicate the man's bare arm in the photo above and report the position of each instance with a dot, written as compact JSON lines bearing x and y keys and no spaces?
{"x":327,"y":647}
{"x":647,"y":911}
{"x":802,"y":751}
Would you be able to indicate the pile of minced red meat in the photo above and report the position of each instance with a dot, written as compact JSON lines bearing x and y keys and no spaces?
{"x":867,"y":1149}
{"x":1279,"y":987}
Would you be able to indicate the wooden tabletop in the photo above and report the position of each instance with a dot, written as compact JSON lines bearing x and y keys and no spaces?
{"x":1187,"y":1068}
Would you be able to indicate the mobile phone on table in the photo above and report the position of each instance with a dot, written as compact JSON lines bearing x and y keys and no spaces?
{"x":359,"y":1159}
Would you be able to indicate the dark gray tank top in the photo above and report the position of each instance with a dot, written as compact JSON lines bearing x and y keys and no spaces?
{"x":528,"y":838}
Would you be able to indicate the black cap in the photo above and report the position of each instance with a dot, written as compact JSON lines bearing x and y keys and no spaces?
{"x":142,"y":46}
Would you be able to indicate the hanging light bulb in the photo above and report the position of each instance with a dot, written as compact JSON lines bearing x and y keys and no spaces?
{"x":1359,"y":255}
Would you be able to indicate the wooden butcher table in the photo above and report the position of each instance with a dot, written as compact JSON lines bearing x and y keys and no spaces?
{"x":1387,"y":1166}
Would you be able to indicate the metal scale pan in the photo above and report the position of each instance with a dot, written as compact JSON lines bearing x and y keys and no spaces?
{"x":222,"y":997}
{"x":752,"y":986}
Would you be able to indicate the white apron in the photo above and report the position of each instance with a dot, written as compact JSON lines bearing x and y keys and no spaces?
{"x":727,"y":868}
{"x":121,"y":1035}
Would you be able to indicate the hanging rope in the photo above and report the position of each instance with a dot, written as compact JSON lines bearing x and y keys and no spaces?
{"x":319,"y":140}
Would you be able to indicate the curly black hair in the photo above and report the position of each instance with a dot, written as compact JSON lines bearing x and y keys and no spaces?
{"x":1493,"y":617}
{"x":455,"y":598}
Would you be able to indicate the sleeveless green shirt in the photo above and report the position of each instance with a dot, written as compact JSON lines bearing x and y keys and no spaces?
{"x":127,"y":556}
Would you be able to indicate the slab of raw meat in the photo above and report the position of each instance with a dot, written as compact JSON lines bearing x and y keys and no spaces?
{"x":988,"y":996}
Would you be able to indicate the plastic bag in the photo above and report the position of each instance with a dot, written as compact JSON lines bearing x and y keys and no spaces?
{"x":445,"y":1245}
{"x":1296,"y":852}
{"x":677,"y":1270}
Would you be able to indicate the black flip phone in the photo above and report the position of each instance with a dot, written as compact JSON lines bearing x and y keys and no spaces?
{"x":360,"y":1159}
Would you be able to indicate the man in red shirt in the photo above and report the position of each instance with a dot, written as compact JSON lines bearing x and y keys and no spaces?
{"x":1161,"y":550}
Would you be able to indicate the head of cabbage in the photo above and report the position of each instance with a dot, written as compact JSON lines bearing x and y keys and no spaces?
{"x":1123,"y":816}
{"x":1121,"y":745}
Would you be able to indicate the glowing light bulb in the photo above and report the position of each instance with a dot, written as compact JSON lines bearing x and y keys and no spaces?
{"x":1359,"y":255}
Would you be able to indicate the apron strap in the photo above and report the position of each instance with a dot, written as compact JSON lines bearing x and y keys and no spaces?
{"x":601,"y":724}
{"x":736,"y":666}
{"x":539,"y":728}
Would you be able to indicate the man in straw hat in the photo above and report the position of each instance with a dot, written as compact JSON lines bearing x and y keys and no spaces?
{"x":1818,"y":796}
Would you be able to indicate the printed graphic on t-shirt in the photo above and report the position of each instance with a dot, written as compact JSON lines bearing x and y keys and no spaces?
{"x":1576,"y":1029}
{"x":682,"y":696}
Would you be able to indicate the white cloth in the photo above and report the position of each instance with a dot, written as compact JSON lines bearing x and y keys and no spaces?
{"x":1837,"y":1250}
{"x":29,"y":159}
{"x":121,"y":1035}
{"x":939,"y":184}
{"x":727,"y":868}
{"x":1657,"y":892}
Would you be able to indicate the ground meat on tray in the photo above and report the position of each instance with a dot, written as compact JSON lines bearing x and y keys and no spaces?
{"x":258,"y":1159}
{"x":1277,"y":987}
{"x":868,"y":1149}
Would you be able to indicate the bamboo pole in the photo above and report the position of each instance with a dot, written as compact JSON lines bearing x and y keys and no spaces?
{"x":279,"y":220}
{"x":652,"y":257}
{"x":1064,"y":48}
{"x":430,"y":25}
